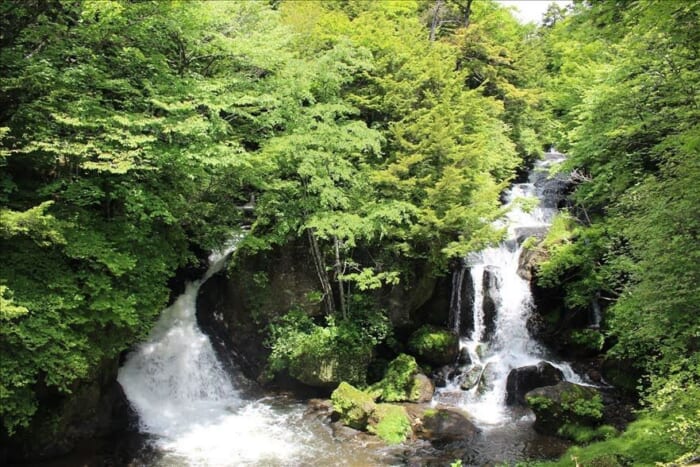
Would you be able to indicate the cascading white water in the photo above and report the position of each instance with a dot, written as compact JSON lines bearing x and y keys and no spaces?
{"x":190,"y":404}
{"x":501,"y":342}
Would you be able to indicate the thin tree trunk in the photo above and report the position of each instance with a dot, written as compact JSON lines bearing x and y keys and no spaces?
{"x":467,"y":13}
{"x":321,"y":271}
{"x":338,"y":274}
{"x":434,"y":22}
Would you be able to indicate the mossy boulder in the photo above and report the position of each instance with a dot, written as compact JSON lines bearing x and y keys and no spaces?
{"x":435,"y":346}
{"x":322,"y":369}
{"x":403,"y":382}
{"x":390,"y":422}
{"x":445,"y":425}
{"x":564,"y":405}
{"x":526,"y":378}
{"x":353,"y":406}
{"x":422,"y":390}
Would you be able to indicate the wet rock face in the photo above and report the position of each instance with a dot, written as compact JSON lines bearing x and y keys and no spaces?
{"x":564,"y":404}
{"x":234,"y":311}
{"x":523,"y":233}
{"x":524,"y":379}
{"x":445,"y":425}
{"x":528,"y":261}
{"x":470,"y":378}
{"x":490,"y":303}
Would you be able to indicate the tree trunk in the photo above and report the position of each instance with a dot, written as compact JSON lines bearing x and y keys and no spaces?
{"x":467,"y":13}
{"x":435,"y":22}
{"x":338,"y":274}
{"x":321,"y":271}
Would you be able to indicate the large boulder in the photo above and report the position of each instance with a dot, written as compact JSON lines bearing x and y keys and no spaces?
{"x":328,"y":369}
{"x":526,"y":378}
{"x":390,"y":422}
{"x":353,"y":406}
{"x":403,"y":382}
{"x":357,"y":409}
{"x":423,"y":389}
{"x":445,"y":425}
{"x":560,"y":407}
{"x":434,"y":345}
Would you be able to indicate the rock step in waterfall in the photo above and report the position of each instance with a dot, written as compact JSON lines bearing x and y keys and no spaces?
{"x":490,"y":306}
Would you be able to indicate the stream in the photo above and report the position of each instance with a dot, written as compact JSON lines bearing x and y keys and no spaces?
{"x":192,"y":412}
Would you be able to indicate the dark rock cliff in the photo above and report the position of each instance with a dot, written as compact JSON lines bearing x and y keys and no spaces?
{"x":95,"y":408}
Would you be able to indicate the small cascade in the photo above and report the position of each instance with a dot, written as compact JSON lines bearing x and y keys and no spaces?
{"x":502,"y":302}
{"x":190,"y":405}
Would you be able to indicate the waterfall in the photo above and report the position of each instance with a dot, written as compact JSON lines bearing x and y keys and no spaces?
{"x":499,"y":340}
{"x":190,"y":405}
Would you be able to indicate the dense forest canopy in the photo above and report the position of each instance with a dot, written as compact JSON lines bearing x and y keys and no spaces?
{"x":380,"y":133}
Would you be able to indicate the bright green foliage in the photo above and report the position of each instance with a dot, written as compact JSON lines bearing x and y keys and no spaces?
{"x":583,"y":434}
{"x":623,"y":82}
{"x":589,"y":339}
{"x":581,"y":405}
{"x":325,"y":355}
{"x":131,"y":131}
{"x":432,"y":186}
{"x":645,"y":442}
{"x":434,"y":345}
{"x":390,"y":422}
{"x":398,"y":383}
{"x":635,"y":141}
{"x":117,"y":152}
{"x":587,"y":257}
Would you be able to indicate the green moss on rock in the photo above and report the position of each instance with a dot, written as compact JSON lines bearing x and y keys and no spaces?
{"x":434,"y":345}
{"x":320,"y":369}
{"x":564,"y":404}
{"x":390,"y":423}
{"x":583,"y":434}
{"x":353,"y":406}
{"x":402,"y":382}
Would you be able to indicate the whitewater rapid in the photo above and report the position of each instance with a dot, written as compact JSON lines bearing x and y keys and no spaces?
{"x":494,"y":273}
